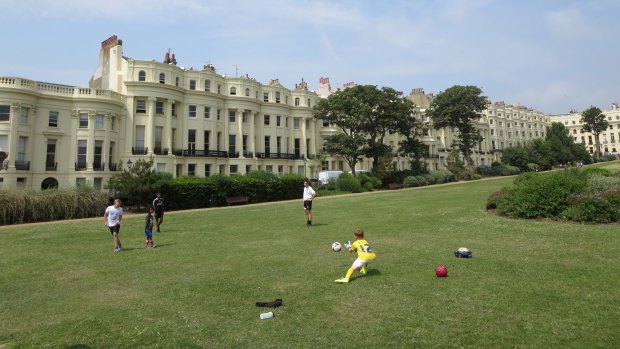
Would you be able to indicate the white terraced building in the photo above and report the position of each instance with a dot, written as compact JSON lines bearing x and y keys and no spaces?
{"x":194,"y":122}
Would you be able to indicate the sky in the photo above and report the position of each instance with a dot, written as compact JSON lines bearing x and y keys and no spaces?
{"x":551,"y":55}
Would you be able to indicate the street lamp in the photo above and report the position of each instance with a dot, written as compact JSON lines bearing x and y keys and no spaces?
{"x":129,"y":164}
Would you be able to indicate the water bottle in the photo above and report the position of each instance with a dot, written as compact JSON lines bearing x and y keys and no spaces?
{"x":268,"y":315}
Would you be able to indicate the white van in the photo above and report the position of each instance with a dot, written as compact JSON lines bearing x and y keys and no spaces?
{"x":326,"y":177}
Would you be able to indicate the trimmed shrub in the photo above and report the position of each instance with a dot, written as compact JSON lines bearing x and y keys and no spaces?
{"x":592,"y":208}
{"x":346,"y":182}
{"x":493,"y":199}
{"x":598,"y":184}
{"x":411,"y":181}
{"x":540,"y":195}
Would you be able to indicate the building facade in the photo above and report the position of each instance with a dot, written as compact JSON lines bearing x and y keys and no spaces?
{"x":198,"y":122}
{"x":190,"y":122}
{"x":609,"y":140}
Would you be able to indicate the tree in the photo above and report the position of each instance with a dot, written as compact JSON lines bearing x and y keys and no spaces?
{"x":412,"y":146}
{"x":365,"y":113}
{"x":562,"y":146}
{"x":539,"y":152}
{"x":139,"y":183}
{"x":594,"y":121}
{"x":458,"y":107}
{"x":516,"y":156}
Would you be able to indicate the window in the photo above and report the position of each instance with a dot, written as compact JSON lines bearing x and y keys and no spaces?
{"x":266,"y":120}
{"x":219,"y":89}
{"x":297,"y":101}
{"x":207,"y":137}
{"x":98,"y":158}
{"x":278,"y":120}
{"x":81,"y":153}
{"x":111,"y":153}
{"x":247,"y":92}
{"x":191,"y":169}
{"x":162,"y":78}
{"x":267,"y":144}
{"x":192,"y":84}
{"x":97,"y":182}
{"x":141,"y":75}
{"x":208,"y":85}
{"x":99,"y":121}
{"x":234,"y":169}
{"x":233,"y":91}
{"x":112,"y":122}
{"x":23,"y":115}
{"x":232,"y":144}
{"x":279,"y":144}
{"x":83,"y":120}
{"x":174,"y":109}
{"x":219,"y":114}
{"x":139,"y":137}
{"x":207,"y":170}
{"x":159,"y":107}
{"x":265,"y":96}
{"x":277,"y":97}
{"x":308,"y":101}
{"x":296,"y":123}
{"x":21,"y":182}
{"x":4,"y":139}
{"x":191,"y":141}
{"x":176,"y":81}
{"x":232,"y":116}
{"x":141,"y":106}
{"x":207,"y":112}
{"x":5,"y":112}
{"x":192,"y":111}
{"x":52,"y":119}
{"x":244,"y":117}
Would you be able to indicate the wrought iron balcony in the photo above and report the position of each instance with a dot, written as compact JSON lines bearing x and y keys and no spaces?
{"x":139,"y":150}
{"x":200,"y":153}
{"x":113,"y":167}
{"x":81,"y":165}
{"x":99,"y":166}
{"x":160,"y":151}
{"x":22,"y":165}
{"x":50,"y":166}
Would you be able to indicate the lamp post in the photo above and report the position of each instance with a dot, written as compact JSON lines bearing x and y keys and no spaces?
{"x":129,"y":164}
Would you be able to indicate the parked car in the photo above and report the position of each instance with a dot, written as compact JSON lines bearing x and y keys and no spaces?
{"x":326,"y":177}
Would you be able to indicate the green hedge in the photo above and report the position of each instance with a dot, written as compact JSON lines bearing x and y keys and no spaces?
{"x":201,"y":192}
{"x":40,"y":206}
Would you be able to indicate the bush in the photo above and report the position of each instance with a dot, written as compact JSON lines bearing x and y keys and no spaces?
{"x":441,"y":176}
{"x":398,"y":176}
{"x":599,"y":184}
{"x":346,"y":182}
{"x":591,"y":208}
{"x":596,"y":171}
{"x":493,"y":199}
{"x":540,"y":195}
{"x":369,"y":182}
{"x":411,"y":181}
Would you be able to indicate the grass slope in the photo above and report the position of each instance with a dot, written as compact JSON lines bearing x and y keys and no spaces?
{"x":531,"y":284}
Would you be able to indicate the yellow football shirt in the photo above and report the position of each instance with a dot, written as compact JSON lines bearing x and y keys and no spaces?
{"x":363,"y":250}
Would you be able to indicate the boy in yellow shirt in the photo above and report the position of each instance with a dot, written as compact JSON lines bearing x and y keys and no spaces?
{"x":365,"y":255}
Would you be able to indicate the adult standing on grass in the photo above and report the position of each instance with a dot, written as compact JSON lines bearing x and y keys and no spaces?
{"x":112,"y":219}
{"x":158,"y":204}
{"x":309,"y":194}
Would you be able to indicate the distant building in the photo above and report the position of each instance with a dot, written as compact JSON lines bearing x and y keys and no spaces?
{"x":609,"y":140}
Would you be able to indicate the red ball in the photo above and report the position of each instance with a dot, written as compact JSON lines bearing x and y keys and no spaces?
{"x":441,"y":271}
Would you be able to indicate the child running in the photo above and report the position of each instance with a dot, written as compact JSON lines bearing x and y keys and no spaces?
{"x":148,"y":228}
{"x":364,"y":255}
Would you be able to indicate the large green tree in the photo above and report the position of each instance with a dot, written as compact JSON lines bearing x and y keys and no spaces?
{"x":363,"y":112}
{"x":594,"y":121}
{"x":562,"y":146}
{"x":459,"y":107}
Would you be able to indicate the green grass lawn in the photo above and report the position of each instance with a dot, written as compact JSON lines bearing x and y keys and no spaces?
{"x":531,"y":284}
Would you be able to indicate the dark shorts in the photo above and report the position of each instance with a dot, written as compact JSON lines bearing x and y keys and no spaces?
{"x":308,"y":205}
{"x":115,"y":229}
{"x":148,"y":233}
{"x":159,"y":214}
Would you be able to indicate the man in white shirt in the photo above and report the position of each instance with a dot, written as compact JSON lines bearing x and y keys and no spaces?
{"x":309,"y":194}
{"x":112,"y":219}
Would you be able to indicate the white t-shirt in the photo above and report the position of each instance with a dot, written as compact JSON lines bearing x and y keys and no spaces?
{"x":308,"y":192}
{"x":114,"y":215}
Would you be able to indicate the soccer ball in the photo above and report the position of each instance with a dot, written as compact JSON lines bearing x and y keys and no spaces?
{"x":336,"y":247}
{"x":463,"y":252}
{"x":441,"y":271}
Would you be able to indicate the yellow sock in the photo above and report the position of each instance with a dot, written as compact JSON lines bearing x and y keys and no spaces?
{"x":349,"y":273}
{"x":364,"y":268}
